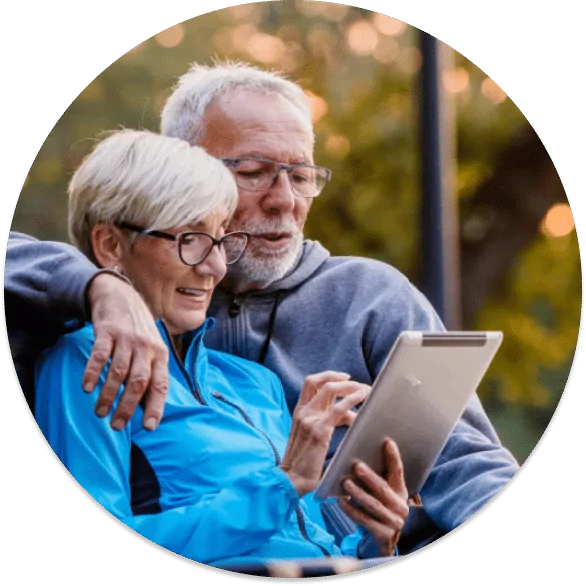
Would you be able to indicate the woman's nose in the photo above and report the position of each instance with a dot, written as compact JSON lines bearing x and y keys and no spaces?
{"x":214,"y":265}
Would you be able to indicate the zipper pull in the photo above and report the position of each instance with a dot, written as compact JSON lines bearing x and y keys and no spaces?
{"x":218,"y":395}
{"x":234,"y":308}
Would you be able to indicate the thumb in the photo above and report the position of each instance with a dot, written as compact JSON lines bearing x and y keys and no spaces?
{"x":395,"y":473}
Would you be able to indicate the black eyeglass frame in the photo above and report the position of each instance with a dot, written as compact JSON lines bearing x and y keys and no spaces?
{"x":233,"y":163}
{"x":178,"y":238}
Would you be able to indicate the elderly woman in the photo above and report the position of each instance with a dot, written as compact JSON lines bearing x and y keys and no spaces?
{"x":223,"y":477}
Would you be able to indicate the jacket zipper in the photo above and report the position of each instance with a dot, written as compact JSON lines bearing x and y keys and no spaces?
{"x":299,"y":513}
{"x":192,"y":383}
{"x":246,"y":418}
{"x":303,"y":529}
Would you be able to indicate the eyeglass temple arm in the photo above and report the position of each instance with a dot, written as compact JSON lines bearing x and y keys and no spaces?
{"x":134,"y":228}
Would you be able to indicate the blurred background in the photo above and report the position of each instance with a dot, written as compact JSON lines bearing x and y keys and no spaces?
{"x":519,"y":261}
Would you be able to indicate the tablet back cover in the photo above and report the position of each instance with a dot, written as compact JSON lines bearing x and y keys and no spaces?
{"x":417,"y":399}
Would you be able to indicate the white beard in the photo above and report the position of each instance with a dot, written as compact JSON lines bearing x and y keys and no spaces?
{"x":260,"y":266}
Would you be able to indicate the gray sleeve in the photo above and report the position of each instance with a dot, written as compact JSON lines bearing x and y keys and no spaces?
{"x":45,"y":287}
{"x":48,"y":276}
{"x":473,"y":465}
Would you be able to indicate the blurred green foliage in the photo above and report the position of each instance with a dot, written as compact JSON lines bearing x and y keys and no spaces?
{"x":362,"y":70}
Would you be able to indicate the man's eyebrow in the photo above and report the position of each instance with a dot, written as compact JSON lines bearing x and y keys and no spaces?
{"x":300,"y":160}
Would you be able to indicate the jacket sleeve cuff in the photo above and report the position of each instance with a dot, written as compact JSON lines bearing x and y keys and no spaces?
{"x":363,"y":546}
{"x":288,"y":488}
{"x":367,"y":547}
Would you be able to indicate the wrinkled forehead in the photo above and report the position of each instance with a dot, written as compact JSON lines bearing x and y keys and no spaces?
{"x":250,"y":120}
{"x":266,"y":103}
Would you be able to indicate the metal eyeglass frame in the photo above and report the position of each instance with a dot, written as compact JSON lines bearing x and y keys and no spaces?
{"x":233,"y":163}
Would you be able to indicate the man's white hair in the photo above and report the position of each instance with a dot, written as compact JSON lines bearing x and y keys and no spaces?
{"x":153,"y":181}
{"x":183,"y":114}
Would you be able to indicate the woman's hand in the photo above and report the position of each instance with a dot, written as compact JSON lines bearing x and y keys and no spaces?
{"x":326,"y":401}
{"x":378,"y":504}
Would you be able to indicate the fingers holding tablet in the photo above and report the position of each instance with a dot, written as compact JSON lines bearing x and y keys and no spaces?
{"x":377,"y":503}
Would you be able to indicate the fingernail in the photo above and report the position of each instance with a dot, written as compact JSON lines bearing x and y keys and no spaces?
{"x":88,"y":387}
{"x":360,"y":467}
{"x":150,"y":424}
{"x":118,"y":424}
{"x":102,"y":411}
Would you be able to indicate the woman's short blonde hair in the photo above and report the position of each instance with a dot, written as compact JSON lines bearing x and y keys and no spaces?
{"x":153,"y":181}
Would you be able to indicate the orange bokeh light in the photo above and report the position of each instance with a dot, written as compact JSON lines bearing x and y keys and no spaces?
{"x":241,"y":34}
{"x":388,"y":25}
{"x":171,"y":37}
{"x":334,"y":12}
{"x":337,"y":145}
{"x":265,"y":48}
{"x":456,"y":80}
{"x":362,"y":38}
{"x":492,"y":91}
{"x":558,"y":221}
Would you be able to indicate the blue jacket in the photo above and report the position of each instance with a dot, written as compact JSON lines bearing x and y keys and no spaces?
{"x":338,"y":313}
{"x":206,"y":484}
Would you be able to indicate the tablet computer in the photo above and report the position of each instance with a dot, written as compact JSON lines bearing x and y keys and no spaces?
{"x":416,"y":400}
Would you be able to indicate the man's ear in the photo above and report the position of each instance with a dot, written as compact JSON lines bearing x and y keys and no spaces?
{"x":108,"y":245}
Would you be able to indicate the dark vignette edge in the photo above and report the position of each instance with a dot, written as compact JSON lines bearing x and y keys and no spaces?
{"x":223,"y":577}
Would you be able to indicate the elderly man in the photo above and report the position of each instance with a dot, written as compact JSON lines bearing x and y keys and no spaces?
{"x":287,"y":304}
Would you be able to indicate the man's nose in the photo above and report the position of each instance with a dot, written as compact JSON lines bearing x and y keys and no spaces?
{"x":279,"y":197}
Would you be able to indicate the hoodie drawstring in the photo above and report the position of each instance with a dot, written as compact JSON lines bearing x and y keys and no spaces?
{"x":265,"y":347}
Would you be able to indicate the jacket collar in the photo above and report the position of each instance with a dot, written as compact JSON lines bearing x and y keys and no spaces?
{"x":189,"y":338}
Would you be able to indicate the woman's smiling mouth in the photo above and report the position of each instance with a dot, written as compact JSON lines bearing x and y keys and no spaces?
{"x":195,"y":293}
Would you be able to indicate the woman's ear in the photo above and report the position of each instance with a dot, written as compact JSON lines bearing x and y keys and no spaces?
{"x":108,"y":246}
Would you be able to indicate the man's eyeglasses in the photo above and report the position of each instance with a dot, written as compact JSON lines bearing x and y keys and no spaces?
{"x":194,"y":247}
{"x":258,"y":174}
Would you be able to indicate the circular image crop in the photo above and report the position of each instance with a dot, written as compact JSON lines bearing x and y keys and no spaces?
{"x":280,"y":239}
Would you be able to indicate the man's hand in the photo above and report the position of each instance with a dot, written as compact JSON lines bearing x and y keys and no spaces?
{"x":125,"y":331}
{"x":378,"y":504}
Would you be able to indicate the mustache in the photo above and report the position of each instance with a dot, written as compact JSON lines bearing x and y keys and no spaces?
{"x":267,"y":226}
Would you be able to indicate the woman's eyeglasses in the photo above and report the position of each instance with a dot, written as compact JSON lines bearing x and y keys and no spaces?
{"x":195,"y":247}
